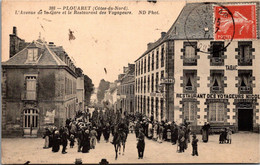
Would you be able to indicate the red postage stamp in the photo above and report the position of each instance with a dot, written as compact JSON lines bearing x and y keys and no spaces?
{"x":242,"y":26}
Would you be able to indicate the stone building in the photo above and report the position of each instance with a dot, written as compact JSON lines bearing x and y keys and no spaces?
{"x":80,"y":101}
{"x":38,"y":89}
{"x":209,"y":58}
{"x":126,"y":89}
{"x":153,"y":80}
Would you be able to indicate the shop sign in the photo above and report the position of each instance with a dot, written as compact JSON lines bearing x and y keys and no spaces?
{"x":217,"y":96}
{"x":156,"y":94}
{"x":167,"y":81}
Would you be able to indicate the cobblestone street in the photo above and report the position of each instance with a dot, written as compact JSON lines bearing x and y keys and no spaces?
{"x":244,"y":149}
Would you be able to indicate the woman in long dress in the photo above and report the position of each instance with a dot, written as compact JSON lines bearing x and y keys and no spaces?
{"x":205,"y":132}
{"x":86,"y":142}
{"x":56,"y":142}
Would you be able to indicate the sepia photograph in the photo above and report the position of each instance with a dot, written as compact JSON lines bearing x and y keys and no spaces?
{"x":130,"y":82}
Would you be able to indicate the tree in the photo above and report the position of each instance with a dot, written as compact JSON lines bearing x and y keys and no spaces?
{"x":89,"y":88}
{"x":103,"y":86}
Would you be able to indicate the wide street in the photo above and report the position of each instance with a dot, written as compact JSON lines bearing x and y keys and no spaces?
{"x":244,"y":149}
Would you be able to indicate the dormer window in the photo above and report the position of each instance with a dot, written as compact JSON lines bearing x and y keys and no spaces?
{"x":32,"y":55}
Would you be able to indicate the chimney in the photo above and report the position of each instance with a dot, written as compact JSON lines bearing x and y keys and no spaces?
{"x":163,"y":34}
{"x":14,"y":30}
{"x":149,"y":45}
{"x":51,"y":44}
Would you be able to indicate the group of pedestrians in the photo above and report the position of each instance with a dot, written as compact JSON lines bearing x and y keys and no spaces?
{"x":161,"y":131}
{"x":225,"y":136}
{"x":84,"y":134}
{"x":84,"y":129}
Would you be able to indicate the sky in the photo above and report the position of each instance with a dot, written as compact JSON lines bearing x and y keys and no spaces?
{"x":102,"y":41}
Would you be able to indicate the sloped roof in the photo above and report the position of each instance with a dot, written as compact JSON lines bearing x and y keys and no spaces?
{"x":46,"y":57}
{"x":189,"y":18}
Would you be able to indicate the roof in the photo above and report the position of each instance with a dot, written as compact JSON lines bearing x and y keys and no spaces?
{"x":46,"y":56}
{"x":182,"y":24}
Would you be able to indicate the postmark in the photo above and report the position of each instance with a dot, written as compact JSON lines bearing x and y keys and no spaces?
{"x":198,"y":25}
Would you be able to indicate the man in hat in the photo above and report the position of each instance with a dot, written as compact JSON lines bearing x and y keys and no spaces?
{"x":140,"y":144}
{"x":64,"y":140}
{"x":194,"y":145}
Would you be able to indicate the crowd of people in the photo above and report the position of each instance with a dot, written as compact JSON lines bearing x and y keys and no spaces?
{"x":86,"y":130}
{"x":162,"y":131}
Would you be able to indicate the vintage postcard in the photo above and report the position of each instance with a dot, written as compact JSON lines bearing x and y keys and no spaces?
{"x":114,"y":82}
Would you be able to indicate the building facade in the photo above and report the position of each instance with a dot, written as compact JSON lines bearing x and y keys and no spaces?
{"x":127,"y":90}
{"x":80,"y":106}
{"x":215,"y":72}
{"x":38,"y":88}
{"x":154,"y":80}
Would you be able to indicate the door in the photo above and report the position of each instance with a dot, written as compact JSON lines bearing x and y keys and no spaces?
{"x":245,"y":119}
{"x":30,"y":122}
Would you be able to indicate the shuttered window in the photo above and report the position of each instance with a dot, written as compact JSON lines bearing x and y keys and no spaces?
{"x":31,"y":87}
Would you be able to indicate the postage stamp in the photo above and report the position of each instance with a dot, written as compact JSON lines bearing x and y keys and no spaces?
{"x":244,"y":16}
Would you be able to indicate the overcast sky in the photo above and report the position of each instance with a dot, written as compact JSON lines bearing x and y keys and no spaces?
{"x":102,"y":41}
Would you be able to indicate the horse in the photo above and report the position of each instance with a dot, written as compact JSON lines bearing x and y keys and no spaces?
{"x":119,"y":139}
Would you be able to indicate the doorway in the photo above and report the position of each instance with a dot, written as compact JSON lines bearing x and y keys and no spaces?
{"x":245,"y":119}
{"x":30,"y":122}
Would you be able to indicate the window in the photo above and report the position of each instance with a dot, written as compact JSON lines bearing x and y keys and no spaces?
{"x":152,"y":106}
{"x":139,"y":68}
{"x":136,"y":85}
{"x":32,"y":54}
{"x":152,"y":61}
{"x":162,"y":74}
{"x":136,"y":70}
{"x":189,"y":53}
{"x":156,"y":81}
{"x":216,"y":50}
{"x":245,"y":53}
{"x":148,"y":63}
{"x":216,"y":112}
{"x":148,"y":106}
{"x":141,"y":84}
{"x":142,"y":67}
{"x":30,"y":118}
{"x":30,"y":87}
{"x":145,"y":65}
{"x":217,"y":81}
{"x":217,"y":54}
{"x":157,"y":59}
{"x":162,"y":57}
{"x":245,"y":81}
{"x":189,"y":81}
{"x":144,"y":84}
{"x":152,"y":83}
{"x":148,"y":83}
{"x":189,"y":109}
{"x":144,"y":105}
{"x":189,"y":57}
